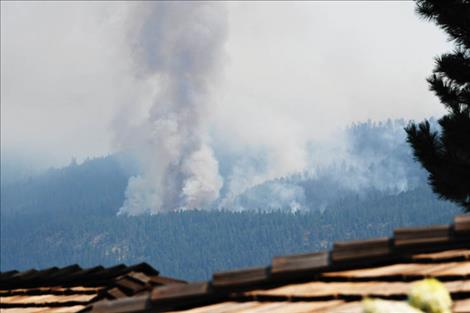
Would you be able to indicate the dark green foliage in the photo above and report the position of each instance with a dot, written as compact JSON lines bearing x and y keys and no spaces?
{"x":445,"y":153}
{"x":451,"y":15}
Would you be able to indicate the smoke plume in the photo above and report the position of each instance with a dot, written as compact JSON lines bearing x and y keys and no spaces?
{"x":268,"y":159}
{"x":178,"y":53}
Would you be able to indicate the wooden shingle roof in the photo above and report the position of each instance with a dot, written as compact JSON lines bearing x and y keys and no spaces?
{"x":71,"y":289}
{"x":333,"y":281}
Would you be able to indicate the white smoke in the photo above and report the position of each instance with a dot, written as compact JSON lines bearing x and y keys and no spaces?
{"x":178,"y":55}
{"x":272,"y":196}
{"x":364,"y":159}
{"x":178,"y":52}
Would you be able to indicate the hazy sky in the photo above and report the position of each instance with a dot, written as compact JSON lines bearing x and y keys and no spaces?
{"x":291,"y":72}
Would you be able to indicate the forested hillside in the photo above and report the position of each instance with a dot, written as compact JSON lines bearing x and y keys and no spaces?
{"x":69,"y":215}
{"x":193,"y":244}
{"x":95,"y":187}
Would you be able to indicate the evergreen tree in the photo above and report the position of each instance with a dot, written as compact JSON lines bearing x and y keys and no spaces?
{"x":445,"y":153}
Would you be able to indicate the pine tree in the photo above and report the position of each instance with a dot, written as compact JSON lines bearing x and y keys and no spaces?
{"x":445,"y":153}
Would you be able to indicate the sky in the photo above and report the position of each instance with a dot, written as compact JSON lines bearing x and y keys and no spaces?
{"x":287,"y":73}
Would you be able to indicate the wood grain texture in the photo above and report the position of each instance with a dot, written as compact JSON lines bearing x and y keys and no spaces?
{"x":462,"y":223}
{"x":243,"y":277}
{"x":299,"y":263}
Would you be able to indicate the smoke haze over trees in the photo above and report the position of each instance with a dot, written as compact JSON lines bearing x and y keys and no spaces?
{"x":371,"y":156}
